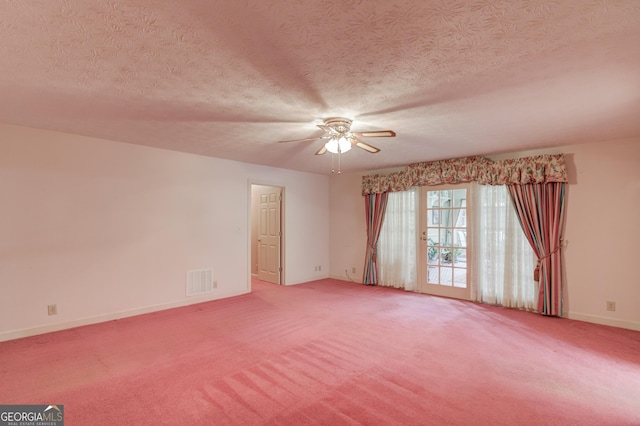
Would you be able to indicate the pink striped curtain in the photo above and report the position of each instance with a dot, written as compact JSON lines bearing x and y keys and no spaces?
{"x":540,"y":207}
{"x":375,"y":208}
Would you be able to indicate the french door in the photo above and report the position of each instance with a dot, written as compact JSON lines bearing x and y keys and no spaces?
{"x":444,"y":240}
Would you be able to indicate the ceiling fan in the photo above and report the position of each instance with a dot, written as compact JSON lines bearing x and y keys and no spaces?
{"x":341,"y":139}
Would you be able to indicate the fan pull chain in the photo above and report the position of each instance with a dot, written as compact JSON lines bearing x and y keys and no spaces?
{"x":333,"y":169}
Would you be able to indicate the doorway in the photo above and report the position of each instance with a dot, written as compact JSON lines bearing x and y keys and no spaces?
{"x":266,"y":233}
{"x":444,"y":250}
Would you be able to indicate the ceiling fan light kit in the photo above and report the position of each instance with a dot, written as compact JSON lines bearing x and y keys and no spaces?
{"x":338,"y":146}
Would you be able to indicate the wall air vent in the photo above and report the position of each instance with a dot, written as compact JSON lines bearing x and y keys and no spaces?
{"x":200,"y":281}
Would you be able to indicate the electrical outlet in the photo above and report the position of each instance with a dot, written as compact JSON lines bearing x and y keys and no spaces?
{"x":52,"y":309}
{"x":319,"y":267}
{"x":353,"y":269}
{"x":611,"y":306}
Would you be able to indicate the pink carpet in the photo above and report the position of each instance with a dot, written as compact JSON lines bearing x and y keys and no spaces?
{"x":331,"y":353}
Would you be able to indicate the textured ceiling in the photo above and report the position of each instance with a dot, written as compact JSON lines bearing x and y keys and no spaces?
{"x":229,"y":79}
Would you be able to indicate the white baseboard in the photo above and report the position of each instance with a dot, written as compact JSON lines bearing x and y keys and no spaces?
{"x":27,"y":332}
{"x":345,"y":278}
{"x":613,"y":322}
{"x":309,"y":279}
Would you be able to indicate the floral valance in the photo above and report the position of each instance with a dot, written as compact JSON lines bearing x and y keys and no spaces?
{"x":538,"y":169}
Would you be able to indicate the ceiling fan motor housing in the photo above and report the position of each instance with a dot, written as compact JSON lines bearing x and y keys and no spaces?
{"x":339,"y":125}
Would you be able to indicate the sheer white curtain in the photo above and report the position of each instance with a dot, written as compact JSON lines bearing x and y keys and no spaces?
{"x":504,"y":259}
{"x":397,"y":245}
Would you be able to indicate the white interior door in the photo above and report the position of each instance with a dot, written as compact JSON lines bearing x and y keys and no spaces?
{"x":269,"y":234}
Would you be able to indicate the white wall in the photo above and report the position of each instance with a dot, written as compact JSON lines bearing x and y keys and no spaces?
{"x":348,"y":226}
{"x":106,"y":229}
{"x":602,"y":229}
{"x":603,"y":232}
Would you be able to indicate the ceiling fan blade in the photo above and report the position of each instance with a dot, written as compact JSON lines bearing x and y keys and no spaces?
{"x":369,"y":148}
{"x":375,"y":134}
{"x":304,"y":140}
{"x":321,"y":150}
